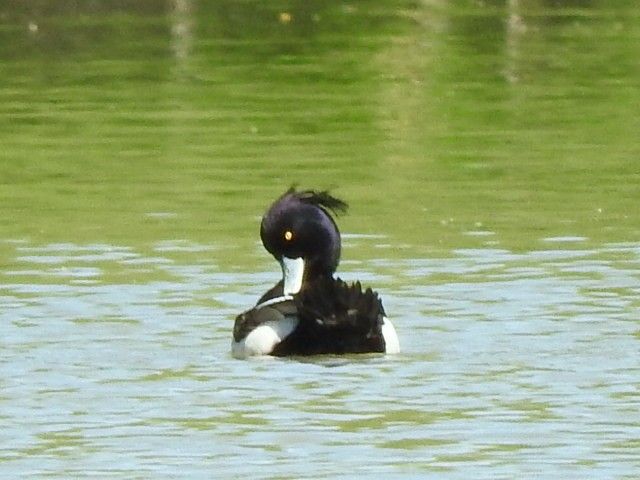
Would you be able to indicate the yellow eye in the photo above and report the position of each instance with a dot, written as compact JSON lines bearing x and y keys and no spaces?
{"x":288,"y":235}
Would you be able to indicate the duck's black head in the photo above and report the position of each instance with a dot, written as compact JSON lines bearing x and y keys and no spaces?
{"x":299,"y":231}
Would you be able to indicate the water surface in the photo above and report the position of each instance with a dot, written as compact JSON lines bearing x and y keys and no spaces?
{"x":489,"y":152}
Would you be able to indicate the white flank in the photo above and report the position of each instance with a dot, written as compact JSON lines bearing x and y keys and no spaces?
{"x":392,"y":344}
{"x":263,"y":339}
{"x":292,"y":271}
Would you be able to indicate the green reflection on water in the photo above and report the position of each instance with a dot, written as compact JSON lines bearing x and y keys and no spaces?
{"x":402,"y":416}
{"x":60,"y":443}
{"x":149,"y":121}
{"x":416,"y":443}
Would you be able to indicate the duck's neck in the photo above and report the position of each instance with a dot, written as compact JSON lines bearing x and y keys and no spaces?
{"x":300,"y":273}
{"x":313,"y":277}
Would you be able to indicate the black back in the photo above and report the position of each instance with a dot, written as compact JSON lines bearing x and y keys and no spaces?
{"x":336,"y":318}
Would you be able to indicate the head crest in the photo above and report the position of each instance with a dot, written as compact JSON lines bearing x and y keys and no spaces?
{"x":320,"y":199}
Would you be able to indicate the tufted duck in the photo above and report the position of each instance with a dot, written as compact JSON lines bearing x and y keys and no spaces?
{"x":309,"y":311}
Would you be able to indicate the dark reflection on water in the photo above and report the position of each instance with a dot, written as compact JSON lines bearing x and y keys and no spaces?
{"x":513,"y":364}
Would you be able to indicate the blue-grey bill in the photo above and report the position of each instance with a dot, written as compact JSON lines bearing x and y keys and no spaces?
{"x":292,"y":271}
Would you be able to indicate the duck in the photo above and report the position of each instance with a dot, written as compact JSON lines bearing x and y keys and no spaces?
{"x":310,"y":311}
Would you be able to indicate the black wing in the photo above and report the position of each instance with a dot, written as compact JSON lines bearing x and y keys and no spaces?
{"x":251,"y":319}
{"x":335,"y":317}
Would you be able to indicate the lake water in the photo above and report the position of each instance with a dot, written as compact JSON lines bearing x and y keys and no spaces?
{"x":489,"y":152}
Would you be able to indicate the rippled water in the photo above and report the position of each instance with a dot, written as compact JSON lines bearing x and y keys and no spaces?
{"x":489,"y":152}
{"x":513,"y":365}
